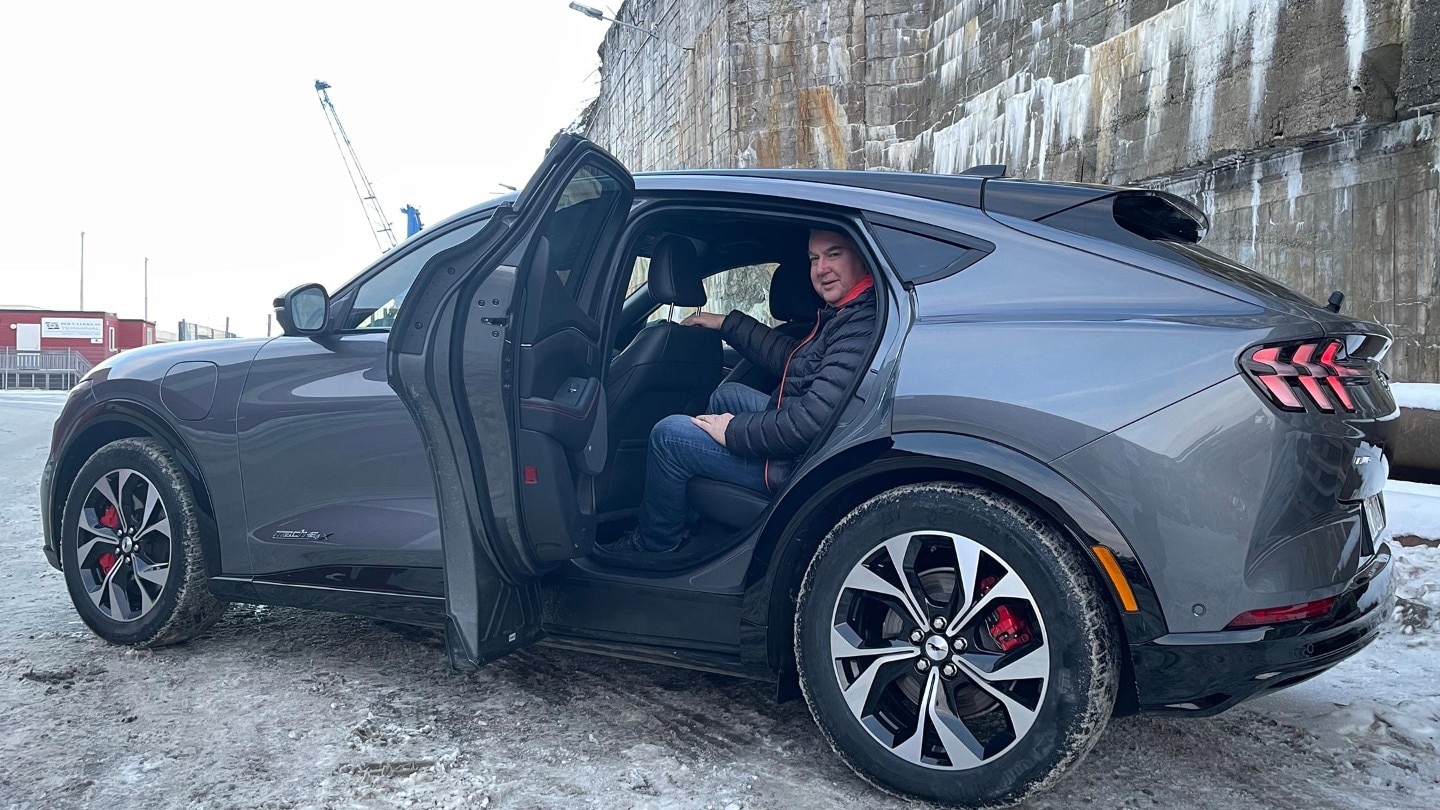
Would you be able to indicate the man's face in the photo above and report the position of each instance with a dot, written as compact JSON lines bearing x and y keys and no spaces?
{"x":835,"y":265}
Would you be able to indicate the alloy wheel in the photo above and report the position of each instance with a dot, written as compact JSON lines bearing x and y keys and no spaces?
{"x":940,"y":650}
{"x":124,"y":545}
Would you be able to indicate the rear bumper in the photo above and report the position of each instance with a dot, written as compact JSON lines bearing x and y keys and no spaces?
{"x":1207,"y":673}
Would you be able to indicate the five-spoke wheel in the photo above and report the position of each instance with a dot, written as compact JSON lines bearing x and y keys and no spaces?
{"x":954,"y":646}
{"x":125,"y":545}
{"x":939,"y":649}
{"x":132,"y":548}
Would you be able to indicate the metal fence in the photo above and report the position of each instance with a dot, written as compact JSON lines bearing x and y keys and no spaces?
{"x":51,"y":369}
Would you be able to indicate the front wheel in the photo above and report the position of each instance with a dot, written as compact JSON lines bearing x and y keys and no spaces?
{"x":130,"y":547}
{"x":954,"y":647}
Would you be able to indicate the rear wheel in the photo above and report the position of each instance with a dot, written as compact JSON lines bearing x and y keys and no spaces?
{"x":131,"y":550}
{"x":953,"y":647}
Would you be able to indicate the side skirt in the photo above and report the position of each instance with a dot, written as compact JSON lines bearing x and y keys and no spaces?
{"x":427,"y":611}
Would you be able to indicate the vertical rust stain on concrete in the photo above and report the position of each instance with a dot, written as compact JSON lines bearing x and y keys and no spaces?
{"x":820,"y":113}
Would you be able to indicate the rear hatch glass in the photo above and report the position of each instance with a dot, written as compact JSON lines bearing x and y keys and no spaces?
{"x":1238,"y":274}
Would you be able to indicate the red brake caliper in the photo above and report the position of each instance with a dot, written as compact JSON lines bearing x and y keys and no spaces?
{"x":1007,"y":628}
{"x":110,"y":520}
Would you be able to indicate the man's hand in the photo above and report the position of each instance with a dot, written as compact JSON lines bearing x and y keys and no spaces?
{"x":713,"y":424}
{"x":709,"y":320}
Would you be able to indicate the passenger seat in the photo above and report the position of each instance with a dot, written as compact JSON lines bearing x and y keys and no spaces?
{"x":667,"y":369}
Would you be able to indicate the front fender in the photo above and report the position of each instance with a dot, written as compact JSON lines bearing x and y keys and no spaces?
{"x":105,"y":421}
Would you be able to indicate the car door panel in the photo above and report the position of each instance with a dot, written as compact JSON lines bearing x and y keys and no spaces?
{"x":501,"y":369}
{"x":333,"y":468}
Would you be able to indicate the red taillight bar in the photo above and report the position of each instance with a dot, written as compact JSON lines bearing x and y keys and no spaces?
{"x":1288,"y":613}
{"x":1320,"y":377}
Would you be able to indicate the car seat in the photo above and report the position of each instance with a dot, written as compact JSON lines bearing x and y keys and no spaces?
{"x":667,"y":369}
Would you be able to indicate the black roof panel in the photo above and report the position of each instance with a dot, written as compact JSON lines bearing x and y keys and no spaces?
{"x":942,"y":187}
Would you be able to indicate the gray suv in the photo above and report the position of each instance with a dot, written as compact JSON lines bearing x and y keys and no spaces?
{"x":1091,"y":469}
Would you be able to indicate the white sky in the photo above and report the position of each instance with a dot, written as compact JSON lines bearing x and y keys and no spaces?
{"x":191,"y":133}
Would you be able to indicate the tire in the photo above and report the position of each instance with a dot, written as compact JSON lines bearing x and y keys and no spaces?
{"x":1038,"y":615}
{"x":130,"y":548}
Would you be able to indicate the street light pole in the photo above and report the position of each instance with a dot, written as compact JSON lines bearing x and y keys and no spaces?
{"x":146,"y":316}
{"x":82,"y":271}
{"x":597,"y":14}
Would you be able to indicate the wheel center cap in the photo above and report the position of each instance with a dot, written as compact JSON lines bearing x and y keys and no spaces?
{"x":126,"y":546}
{"x":936,"y":648}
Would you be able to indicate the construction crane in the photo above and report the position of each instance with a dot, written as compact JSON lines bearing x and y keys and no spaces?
{"x":374,"y":213}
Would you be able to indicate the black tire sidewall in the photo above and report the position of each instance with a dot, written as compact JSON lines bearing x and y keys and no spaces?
{"x":1065,"y":719}
{"x":179,"y":506}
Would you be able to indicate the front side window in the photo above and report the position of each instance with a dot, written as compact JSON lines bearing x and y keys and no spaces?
{"x":380,"y":297}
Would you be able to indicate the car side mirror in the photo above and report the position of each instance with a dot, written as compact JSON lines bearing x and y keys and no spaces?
{"x":304,"y":310}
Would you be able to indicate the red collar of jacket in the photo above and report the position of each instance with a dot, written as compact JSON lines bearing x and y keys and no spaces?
{"x":860,"y":286}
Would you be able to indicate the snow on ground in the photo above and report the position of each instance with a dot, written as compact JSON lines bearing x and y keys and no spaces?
{"x":1417,"y":395}
{"x":1411,"y":509}
{"x":279,"y":708}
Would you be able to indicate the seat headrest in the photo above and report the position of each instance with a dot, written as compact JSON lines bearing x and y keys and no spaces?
{"x":792,"y":296}
{"x":675,"y":273}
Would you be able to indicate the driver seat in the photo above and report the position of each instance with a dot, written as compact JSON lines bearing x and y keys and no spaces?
{"x":667,"y":369}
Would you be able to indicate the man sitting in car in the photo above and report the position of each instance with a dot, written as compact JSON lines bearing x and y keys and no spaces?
{"x":750,"y":438}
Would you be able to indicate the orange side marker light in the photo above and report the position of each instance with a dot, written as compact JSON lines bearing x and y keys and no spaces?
{"x":1117,"y":578}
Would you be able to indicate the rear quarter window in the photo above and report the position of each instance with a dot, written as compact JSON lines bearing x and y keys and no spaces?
{"x":919,"y":258}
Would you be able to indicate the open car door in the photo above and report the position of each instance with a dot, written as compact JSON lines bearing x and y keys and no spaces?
{"x":501,"y":370}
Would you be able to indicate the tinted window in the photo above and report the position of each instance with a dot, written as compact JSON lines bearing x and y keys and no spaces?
{"x":1236,"y":273}
{"x":572,"y":228}
{"x":379,"y":298}
{"x":921,"y":258}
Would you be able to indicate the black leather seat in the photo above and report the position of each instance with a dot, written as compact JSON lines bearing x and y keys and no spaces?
{"x":666,"y":369}
{"x":726,"y":504}
{"x":793,"y":302}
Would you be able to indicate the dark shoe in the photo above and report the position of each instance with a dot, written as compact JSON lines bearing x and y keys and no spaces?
{"x":630,"y":543}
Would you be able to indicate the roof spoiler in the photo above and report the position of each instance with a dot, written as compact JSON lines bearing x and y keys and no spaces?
{"x":1160,"y":215}
{"x":1145,"y":212}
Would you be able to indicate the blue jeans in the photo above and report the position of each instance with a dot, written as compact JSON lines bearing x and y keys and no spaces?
{"x":679,"y":451}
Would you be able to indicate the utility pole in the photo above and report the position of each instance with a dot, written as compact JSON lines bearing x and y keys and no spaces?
{"x":82,"y":271}
{"x":267,"y":326}
{"x":227,"y":326}
{"x":147,"y":289}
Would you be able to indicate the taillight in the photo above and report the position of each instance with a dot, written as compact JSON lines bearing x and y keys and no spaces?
{"x":1300,"y":374}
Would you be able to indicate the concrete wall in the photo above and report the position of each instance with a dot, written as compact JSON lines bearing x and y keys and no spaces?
{"x":1305,"y":128}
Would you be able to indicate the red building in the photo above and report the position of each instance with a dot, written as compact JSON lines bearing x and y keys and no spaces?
{"x":36,"y":345}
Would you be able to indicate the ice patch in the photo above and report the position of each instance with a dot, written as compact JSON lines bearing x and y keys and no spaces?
{"x":1425,"y":396}
{"x":1413,"y":724}
{"x":1413,"y":509}
{"x":1355,"y":35}
{"x":1264,"y":24}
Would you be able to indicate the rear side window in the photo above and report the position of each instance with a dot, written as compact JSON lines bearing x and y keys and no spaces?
{"x":919,"y":258}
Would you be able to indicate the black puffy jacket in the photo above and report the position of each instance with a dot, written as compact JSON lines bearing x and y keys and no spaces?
{"x":814,"y":372}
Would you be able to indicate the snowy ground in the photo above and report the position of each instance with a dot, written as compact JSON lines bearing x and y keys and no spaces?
{"x":281,"y":708}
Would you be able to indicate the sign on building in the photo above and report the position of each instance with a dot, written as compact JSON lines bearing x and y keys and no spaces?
{"x":73,"y":328}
